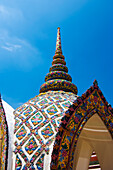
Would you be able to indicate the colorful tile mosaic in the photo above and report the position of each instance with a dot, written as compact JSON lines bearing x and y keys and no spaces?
{"x":40,"y":116}
{"x":17,"y":123}
{"x":66,"y":105}
{"x":40,"y":126}
{"x":18,"y":164}
{"x":21,"y":133}
{"x":36,"y":119}
{"x":28,"y":111}
{"x":31,"y":146}
{"x":47,"y":131}
{"x":58,"y":77}
{"x":58,"y":84}
{"x":72,"y":123}
{"x":57,"y":98}
{"x":40,"y":162}
{"x":3,"y":138}
{"x":59,"y":60}
{"x":59,"y":67}
{"x":44,"y":101}
{"x":52,"y":110}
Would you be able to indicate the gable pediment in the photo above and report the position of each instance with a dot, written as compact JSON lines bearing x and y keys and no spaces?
{"x":90,"y":103}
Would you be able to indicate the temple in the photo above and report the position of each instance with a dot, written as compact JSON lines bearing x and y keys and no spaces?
{"x":59,"y":130}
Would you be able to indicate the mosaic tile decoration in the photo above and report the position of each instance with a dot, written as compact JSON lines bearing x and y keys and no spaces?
{"x":47,"y":131}
{"x":59,"y":67}
{"x":39,"y":163}
{"x":58,"y":42}
{"x":18,"y":164}
{"x":3,"y":138}
{"x":58,"y":77}
{"x":21,"y":133}
{"x":31,"y":146}
{"x":52,"y":110}
{"x":58,"y":84}
{"x":72,"y":123}
{"x":37,"y":119}
{"x":59,"y":61}
{"x":35,"y":132}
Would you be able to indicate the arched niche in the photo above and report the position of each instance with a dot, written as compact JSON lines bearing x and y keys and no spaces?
{"x":90,"y":106}
{"x":94,"y":136}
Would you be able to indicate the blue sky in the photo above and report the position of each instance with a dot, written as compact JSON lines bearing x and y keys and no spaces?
{"x":28,"y":38}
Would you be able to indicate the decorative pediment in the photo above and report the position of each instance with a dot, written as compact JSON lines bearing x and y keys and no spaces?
{"x":83,"y":108}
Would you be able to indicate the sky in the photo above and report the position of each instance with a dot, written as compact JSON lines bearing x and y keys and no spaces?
{"x":28,"y":31}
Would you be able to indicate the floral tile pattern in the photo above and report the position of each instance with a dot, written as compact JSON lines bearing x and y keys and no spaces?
{"x":31,"y":146}
{"x":36,"y":119}
{"x":47,"y":131}
{"x":21,"y":133}
{"x":36,"y":126}
{"x":52,"y":110}
{"x":28,"y":111}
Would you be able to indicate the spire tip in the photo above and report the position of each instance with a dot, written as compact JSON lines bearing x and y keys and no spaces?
{"x":58,"y":42}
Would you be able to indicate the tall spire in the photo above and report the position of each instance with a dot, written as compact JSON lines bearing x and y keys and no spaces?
{"x":58,"y":77}
{"x":58,"y":42}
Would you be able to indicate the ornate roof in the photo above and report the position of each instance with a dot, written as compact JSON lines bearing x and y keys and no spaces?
{"x":58,"y":77}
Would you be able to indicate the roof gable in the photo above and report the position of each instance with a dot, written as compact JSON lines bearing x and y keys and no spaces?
{"x":91,"y":102}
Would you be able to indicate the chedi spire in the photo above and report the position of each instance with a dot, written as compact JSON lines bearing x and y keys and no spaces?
{"x":58,"y":77}
{"x":58,"y":42}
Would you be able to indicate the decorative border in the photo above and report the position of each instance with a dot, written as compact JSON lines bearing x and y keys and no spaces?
{"x":72,"y":124}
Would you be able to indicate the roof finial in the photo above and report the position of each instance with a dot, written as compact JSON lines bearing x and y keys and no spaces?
{"x":58,"y":42}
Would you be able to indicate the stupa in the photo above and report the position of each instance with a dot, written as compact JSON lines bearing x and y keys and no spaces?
{"x":59,"y":130}
{"x":37,"y":121}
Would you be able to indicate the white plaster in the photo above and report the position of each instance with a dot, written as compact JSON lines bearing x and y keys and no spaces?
{"x":10,"y":121}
